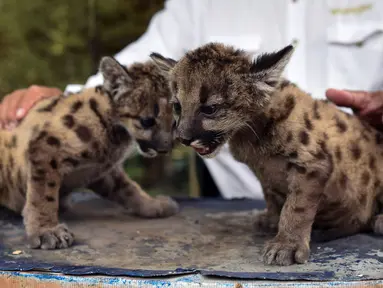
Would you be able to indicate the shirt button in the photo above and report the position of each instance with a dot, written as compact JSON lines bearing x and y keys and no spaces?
{"x":295,"y":42}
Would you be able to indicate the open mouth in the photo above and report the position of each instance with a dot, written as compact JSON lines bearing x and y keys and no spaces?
{"x":204,"y":150}
{"x":150,"y":153}
{"x":150,"y":149}
{"x":146,"y":148}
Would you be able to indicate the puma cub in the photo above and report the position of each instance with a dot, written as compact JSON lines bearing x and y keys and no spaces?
{"x":81,"y":141}
{"x":319,"y":167}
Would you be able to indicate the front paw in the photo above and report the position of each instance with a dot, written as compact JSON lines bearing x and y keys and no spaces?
{"x":285,"y":252}
{"x":158,"y":207}
{"x":266,"y":222}
{"x":57,"y":237}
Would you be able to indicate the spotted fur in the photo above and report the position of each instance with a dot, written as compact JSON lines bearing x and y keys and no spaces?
{"x":81,"y":141}
{"x":319,"y":167}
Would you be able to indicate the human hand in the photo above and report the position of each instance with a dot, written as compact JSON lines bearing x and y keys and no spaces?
{"x":367,"y":105}
{"x":17,"y":104}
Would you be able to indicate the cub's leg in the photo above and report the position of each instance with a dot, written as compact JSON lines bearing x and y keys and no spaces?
{"x":118,"y":187}
{"x":267,"y":220}
{"x":42,"y":199}
{"x":291,"y":244}
{"x":377,"y":224}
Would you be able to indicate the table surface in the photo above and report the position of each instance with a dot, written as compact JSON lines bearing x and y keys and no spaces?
{"x":210,"y":243}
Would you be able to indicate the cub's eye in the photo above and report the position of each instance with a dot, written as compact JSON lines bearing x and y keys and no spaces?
{"x":177,"y":108}
{"x":147,"y":122}
{"x":208,"y":110}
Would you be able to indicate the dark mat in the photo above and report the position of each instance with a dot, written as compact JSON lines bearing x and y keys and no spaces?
{"x":211,"y":237}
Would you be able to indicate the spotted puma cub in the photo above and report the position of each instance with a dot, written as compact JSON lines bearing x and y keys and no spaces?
{"x":81,"y":141}
{"x":319,"y":167}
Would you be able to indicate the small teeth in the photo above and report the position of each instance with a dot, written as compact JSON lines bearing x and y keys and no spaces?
{"x":197,"y":144}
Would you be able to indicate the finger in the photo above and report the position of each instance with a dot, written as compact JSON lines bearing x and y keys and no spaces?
{"x":12,"y":107}
{"x":2,"y":117}
{"x":357,"y":100}
{"x":3,"y":109}
{"x":1,"y":123}
{"x":33,"y":96}
{"x":6,"y":103}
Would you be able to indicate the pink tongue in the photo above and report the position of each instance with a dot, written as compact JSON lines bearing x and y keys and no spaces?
{"x":202,"y":150}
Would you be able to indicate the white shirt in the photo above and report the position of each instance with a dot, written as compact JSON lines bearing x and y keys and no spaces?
{"x":339,"y":45}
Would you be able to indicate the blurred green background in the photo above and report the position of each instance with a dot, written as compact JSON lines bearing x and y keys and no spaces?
{"x":56,"y":42}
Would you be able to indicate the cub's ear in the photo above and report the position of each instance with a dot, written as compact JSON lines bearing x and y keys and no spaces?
{"x":165,"y":64}
{"x":269,"y":67}
{"x":116,"y":77}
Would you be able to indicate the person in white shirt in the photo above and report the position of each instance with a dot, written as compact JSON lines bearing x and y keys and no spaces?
{"x":338,"y":44}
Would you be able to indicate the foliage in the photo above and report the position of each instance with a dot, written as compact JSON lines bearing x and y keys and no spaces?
{"x":56,"y":42}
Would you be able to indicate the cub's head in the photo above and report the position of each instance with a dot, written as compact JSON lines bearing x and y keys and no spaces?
{"x":218,"y":90}
{"x":141,"y":95}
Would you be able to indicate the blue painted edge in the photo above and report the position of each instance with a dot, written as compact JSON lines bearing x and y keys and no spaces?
{"x":183,"y":280}
{"x":69,"y":279}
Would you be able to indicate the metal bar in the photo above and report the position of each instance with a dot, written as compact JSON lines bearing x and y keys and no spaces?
{"x":194,"y":190}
